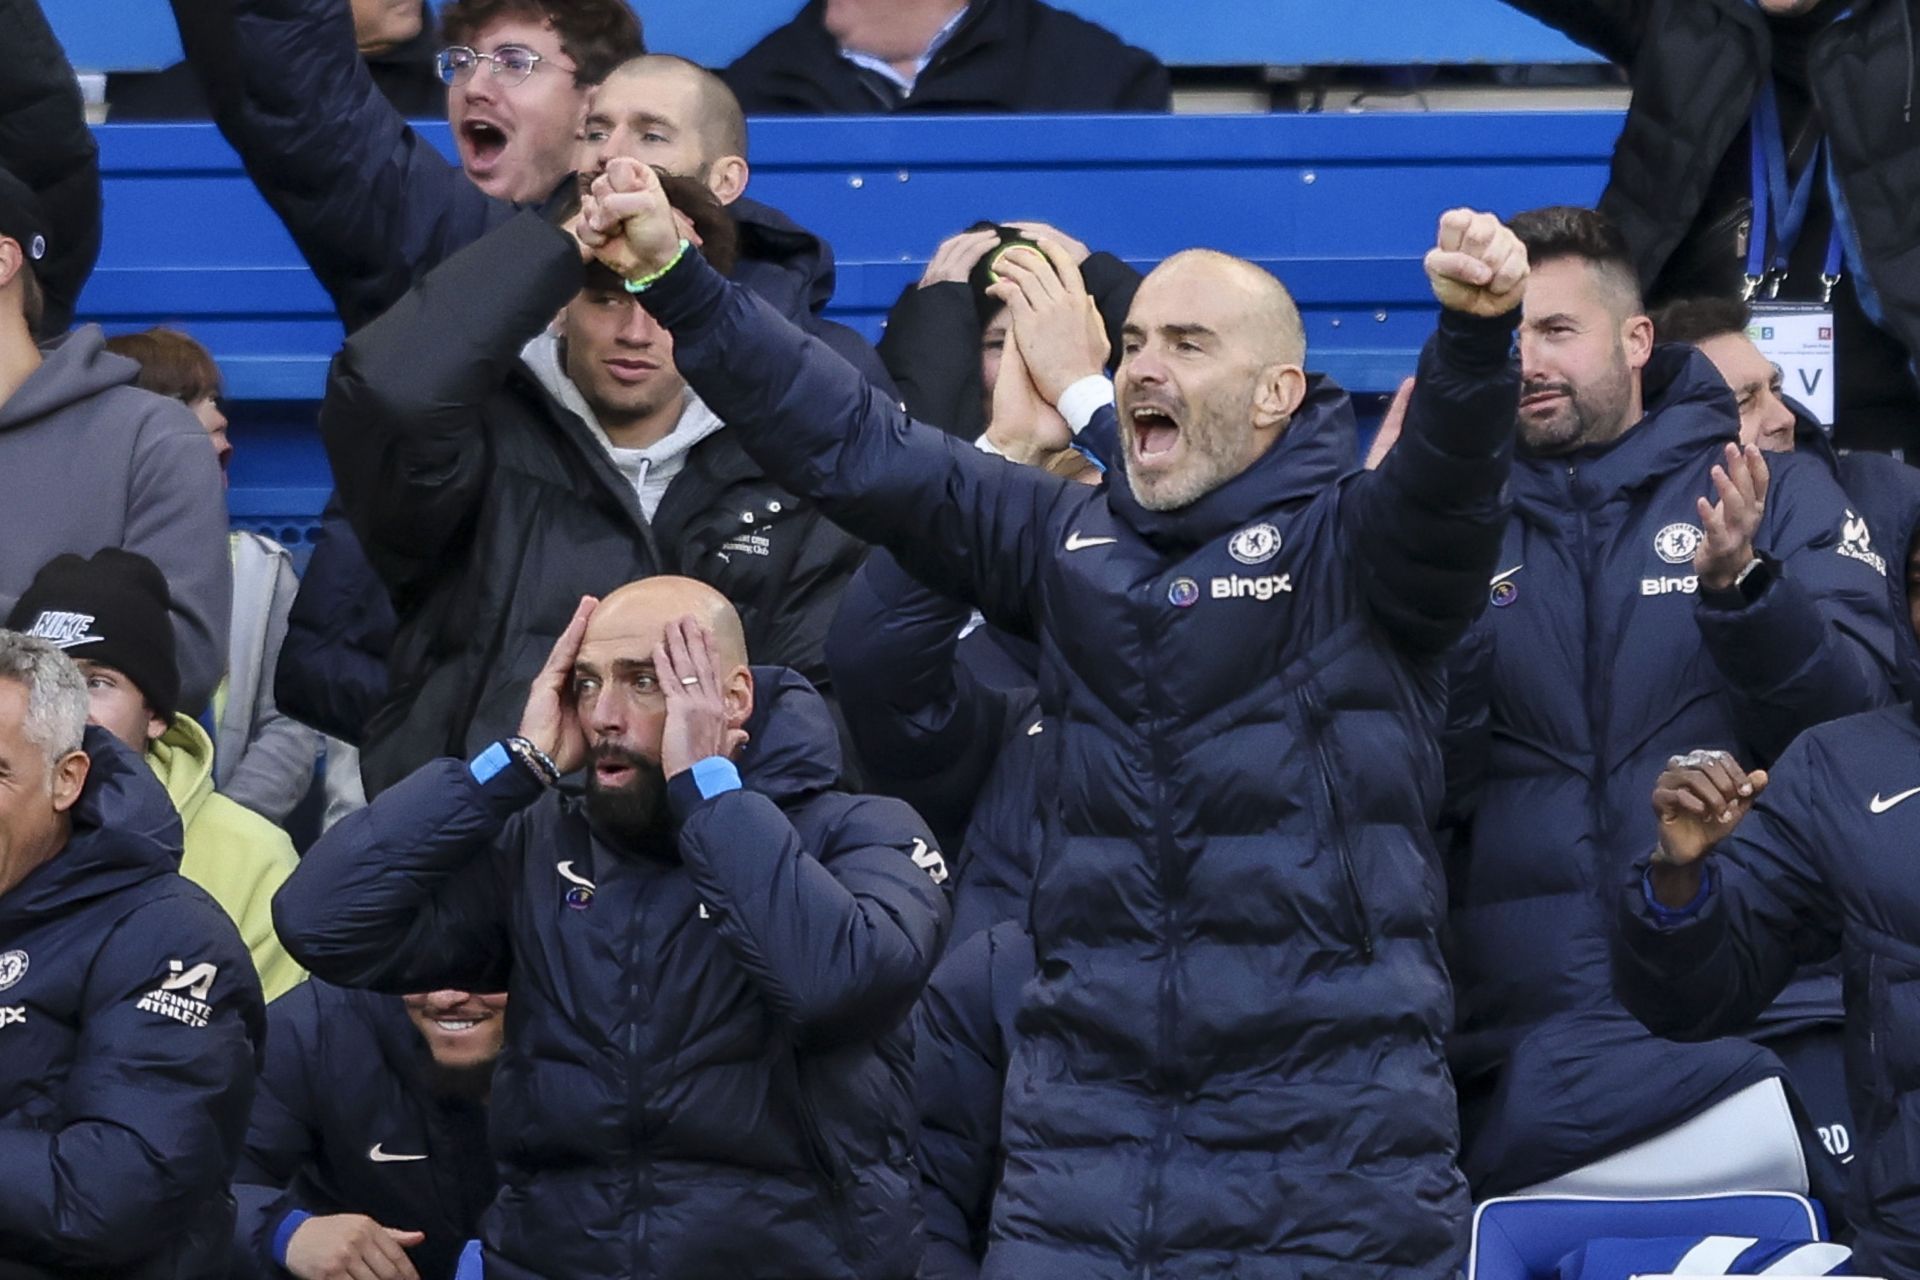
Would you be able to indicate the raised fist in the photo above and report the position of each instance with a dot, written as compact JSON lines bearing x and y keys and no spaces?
{"x":626,"y":220}
{"x":1476,"y":264}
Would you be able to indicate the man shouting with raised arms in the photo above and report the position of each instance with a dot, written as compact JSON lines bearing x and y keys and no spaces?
{"x":1230,"y":1062}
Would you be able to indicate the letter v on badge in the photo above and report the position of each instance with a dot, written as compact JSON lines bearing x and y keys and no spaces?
{"x":1799,"y":338}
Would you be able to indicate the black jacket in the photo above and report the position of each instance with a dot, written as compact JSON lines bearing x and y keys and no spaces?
{"x":708,"y":1068}
{"x":347,"y":1120}
{"x":405,"y":76}
{"x":1239,"y":903}
{"x":1696,"y":66}
{"x":489,"y":509}
{"x":1006,"y":55}
{"x":377,"y":206}
{"x":45,"y":142}
{"x":932,"y":343}
{"x":333,"y":664}
{"x":132,"y":1021}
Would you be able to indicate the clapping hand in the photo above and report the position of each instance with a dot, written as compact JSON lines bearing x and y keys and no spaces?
{"x":1731,"y":522}
{"x":1059,"y":329}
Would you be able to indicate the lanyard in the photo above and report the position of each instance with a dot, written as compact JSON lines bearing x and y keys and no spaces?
{"x":1781,"y":205}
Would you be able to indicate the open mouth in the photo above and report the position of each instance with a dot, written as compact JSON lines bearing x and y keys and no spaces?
{"x":485,"y":141}
{"x":612,"y":773}
{"x":454,"y":1026}
{"x":1154,"y":432}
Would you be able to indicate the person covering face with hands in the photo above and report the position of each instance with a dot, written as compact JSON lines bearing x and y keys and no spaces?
{"x":710,"y":956}
{"x":1223,"y":950}
{"x":1757,"y":872}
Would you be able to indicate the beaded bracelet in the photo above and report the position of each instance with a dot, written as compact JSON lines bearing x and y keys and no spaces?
{"x":647,"y":282}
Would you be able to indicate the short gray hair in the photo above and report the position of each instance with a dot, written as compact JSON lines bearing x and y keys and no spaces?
{"x":56,"y":693}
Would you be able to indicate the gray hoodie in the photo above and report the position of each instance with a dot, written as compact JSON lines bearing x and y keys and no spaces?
{"x":88,"y":460}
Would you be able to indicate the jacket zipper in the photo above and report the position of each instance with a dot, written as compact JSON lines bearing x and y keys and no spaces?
{"x":1312,"y":711}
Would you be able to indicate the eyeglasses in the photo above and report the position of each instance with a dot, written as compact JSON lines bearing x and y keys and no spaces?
{"x":512,"y":63}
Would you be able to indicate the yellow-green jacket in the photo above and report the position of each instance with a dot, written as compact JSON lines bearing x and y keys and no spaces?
{"x":232,"y":852}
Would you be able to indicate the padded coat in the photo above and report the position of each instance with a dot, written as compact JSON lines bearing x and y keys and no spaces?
{"x":708,"y":1068}
{"x":130,"y":1026}
{"x":1231,"y":1061}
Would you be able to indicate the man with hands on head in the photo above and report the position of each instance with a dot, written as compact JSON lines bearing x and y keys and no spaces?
{"x":710,"y":957}
{"x":1237,"y":916}
{"x":1760,"y":872}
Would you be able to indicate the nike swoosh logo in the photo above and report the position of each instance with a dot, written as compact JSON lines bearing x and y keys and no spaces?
{"x":568,"y":873}
{"x":375,"y":1154}
{"x":1077,"y":543}
{"x":1502,"y":576}
{"x":1037,"y":726}
{"x":1877,"y":805}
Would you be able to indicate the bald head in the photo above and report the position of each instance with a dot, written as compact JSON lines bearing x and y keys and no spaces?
{"x":1272,"y":320}
{"x":636,"y":616}
{"x":704,"y":102}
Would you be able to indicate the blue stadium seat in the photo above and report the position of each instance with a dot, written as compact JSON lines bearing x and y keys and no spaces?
{"x":1342,"y":207}
{"x":128,"y":35}
{"x":1524,"y":1237}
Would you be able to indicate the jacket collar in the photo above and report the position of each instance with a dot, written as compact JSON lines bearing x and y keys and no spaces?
{"x":1688,"y":411}
{"x":1316,"y":449}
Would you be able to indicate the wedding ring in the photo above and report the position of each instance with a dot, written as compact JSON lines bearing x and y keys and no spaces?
{"x":689,"y":680}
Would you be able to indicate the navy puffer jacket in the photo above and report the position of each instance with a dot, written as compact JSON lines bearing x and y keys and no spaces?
{"x":1231,"y":1061}
{"x":130,"y":1026}
{"x":1607,"y":661}
{"x":708,"y":1069}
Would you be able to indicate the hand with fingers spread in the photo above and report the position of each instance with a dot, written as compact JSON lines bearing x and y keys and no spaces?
{"x":626,"y":220}
{"x":1477,"y":265}
{"x":551,"y":721}
{"x":1044,"y":231}
{"x":699,"y":725}
{"x":1025,"y":428}
{"x":957,"y":256}
{"x":1731,"y":522}
{"x":1698,"y":800}
{"x":1389,"y":433}
{"x":1055,"y":321}
{"x":350,"y":1246}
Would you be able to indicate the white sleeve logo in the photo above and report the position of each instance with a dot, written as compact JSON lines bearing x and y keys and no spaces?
{"x":928,"y":859}
{"x":182,"y":994}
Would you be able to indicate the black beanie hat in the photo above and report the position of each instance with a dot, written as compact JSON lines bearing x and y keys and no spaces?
{"x":110,"y":609}
{"x":22,"y":218}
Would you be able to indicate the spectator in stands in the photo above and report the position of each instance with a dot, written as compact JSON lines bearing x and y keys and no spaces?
{"x":397,"y":38}
{"x":1633,"y":617}
{"x":367,"y":1153}
{"x":962,"y":1034}
{"x":46,"y":146}
{"x":129,"y":1014}
{"x":261,"y":758}
{"x":110,"y":613}
{"x":89,"y":461}
{"x":1683,"y":169}
{"x":711,"y":965}
{"x":937,"y":325}
{"x":945,"y":711}
{"x":1235,"y":931}
{"x":868,"y":57}
{"x":497,"y":468}
{"x":1757,"y":874}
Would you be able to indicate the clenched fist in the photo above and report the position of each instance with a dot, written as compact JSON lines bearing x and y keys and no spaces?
{"x":1476,"y":265}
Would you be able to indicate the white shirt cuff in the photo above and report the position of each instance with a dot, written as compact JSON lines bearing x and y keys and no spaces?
{"x":985,"y":445}
{"x":1079,"y":402}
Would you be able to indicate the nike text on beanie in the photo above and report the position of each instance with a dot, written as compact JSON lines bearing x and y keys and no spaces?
{"x":111,"y":608}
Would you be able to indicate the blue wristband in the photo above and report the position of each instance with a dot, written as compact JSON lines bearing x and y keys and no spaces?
{"x":283,"y":1234}
{"x":1666,"y":915}
{"x":489,"y":764}
{"x":715,"y":775}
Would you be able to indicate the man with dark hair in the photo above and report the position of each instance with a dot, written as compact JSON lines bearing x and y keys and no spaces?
{"x":1660,"y":587}
{"x":1229,"y":1061}
{"x":87,"y":461}
{"x":1717,"y":329}
{"x":497,"y":465}
{"x":868,"y":57}
{"x":711,"y":959}
{"x":1808,"y":104}
{"x":367,"y":1152}
{"x":130,"y":1017}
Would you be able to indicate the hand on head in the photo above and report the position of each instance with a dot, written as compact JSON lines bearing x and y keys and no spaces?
{"x":697,"y":724}
{"x":551,"y":721}
{"x":1055,"y":322}
{"x":1477,"y":265}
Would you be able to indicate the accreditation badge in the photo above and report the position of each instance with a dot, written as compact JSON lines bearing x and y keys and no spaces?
{"x":1798,"y":337}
